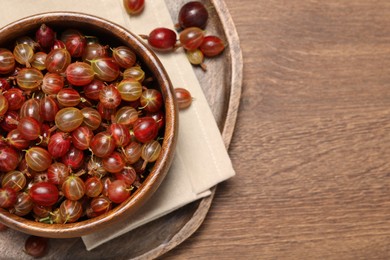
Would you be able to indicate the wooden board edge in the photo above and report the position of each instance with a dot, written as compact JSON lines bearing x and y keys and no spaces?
{"x":237,"y":66}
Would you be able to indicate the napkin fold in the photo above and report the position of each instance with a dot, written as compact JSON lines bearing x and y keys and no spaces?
{"x":201,"y":160}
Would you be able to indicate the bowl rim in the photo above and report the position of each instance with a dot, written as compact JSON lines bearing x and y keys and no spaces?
{"x":161,"y":166}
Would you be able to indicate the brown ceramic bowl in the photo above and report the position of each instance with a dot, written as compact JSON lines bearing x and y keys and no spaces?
{"x":107,"y":32}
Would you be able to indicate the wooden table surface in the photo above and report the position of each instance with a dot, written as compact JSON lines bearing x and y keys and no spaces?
{"x":312,"y":143}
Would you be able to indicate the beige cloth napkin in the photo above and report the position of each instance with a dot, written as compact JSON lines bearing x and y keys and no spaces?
{"x":201,"y":160}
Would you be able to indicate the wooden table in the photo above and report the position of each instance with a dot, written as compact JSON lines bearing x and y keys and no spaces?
{"x":312,"y":142}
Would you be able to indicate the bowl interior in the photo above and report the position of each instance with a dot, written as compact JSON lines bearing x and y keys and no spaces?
{"x":114,"y":35}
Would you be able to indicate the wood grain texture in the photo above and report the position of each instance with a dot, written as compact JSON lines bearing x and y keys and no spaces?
{"x":311,"y":145}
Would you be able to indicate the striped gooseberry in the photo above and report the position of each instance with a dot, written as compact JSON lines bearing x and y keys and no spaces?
{"x":81,"y":137}
{"x":135,"y":72}
{"x":38,"y":60}
{"x":73,"y":187}
{"x":15,"y":98}
{"x":23,"y":54}
{"x":59,"y":144}
{"x":4,"y":105}
{"x":93,"y":89}
{"x":124,"y":56}
{"x":94,"y":51}
{"x":17,"y":140}
{"x":57,"y":60}
{"x":45,"y":36}
{"x":130,"y":89}
{"x":110,"y":97}
{"x":183,"y":98}
{"x":52,"y":83}
{"x":57,"y":173}
{"x":93,"y":186}
{"x":126,"y":115}
{"x":151,"y":100}
{"x":29,"y":79}
{"x":48,"y":108}
{"x":106,"y":68}
{"x":191,"y":38}
{"x":7,"y":61}
{"x":92,"y":118}
{"x":31,"y":108}
{"x":102,"y":144}
{"x":38,"y":158}
{"x":114,"y":163}
{"x":120,"y":133}
{"x":68,"y":119}
{"x":150,"y":152}
{"x":68,"y":97}
{"x":15,"y":180}
{"x":70,"y":211}
{"x":29,"y":128}
{"x":9,"y":159}
{"x":79,"y":73}
{"x":7,"y":197}
{"x":75,"y":42}
{"x":23,"y":205}
{"x":74,"y":158}
{"x":118,"y":191}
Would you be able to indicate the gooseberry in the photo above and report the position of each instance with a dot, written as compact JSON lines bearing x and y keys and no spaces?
{"x":193,"y":14}
{"x":38,"y":159}
{"x":102,"y":144}
{"x":7,"y":61}
{"x":44,"y":193}
{"x":162,"y":39}
{"x":23,"y":54}
{"x":183,"y":98}
{"x":9,"y":159}
{"x":59,"y":144}
{"x":212,"y":46}
{"x":130,"y":89}
{"x":79,"y":73}
{"x":29,"y":79}
{"x":57,"y":60}
{"x":70,"y":211}
{"x":73,"y":187}
{"x":124,"y":56}
{"x":191,"y":38}
{"x":105,"y":69}
{"x":74,"y":41}
{"x":110,"y":97}
{"x":134,"y":7}
{"x":145,"y":129}
{"x":36,"y":246}
{"x":68,"y":119}
{"x":45,"y":36}
{"x":118,"y":191}
{"x":14,"y":100}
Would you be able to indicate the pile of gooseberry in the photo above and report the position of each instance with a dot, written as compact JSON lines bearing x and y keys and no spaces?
{"x":193,"y":17}
{"x":81,"y":124}
{"x":192,"y":20}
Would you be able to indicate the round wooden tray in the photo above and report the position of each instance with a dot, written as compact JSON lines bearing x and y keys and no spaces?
{"x":221,"y":84}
